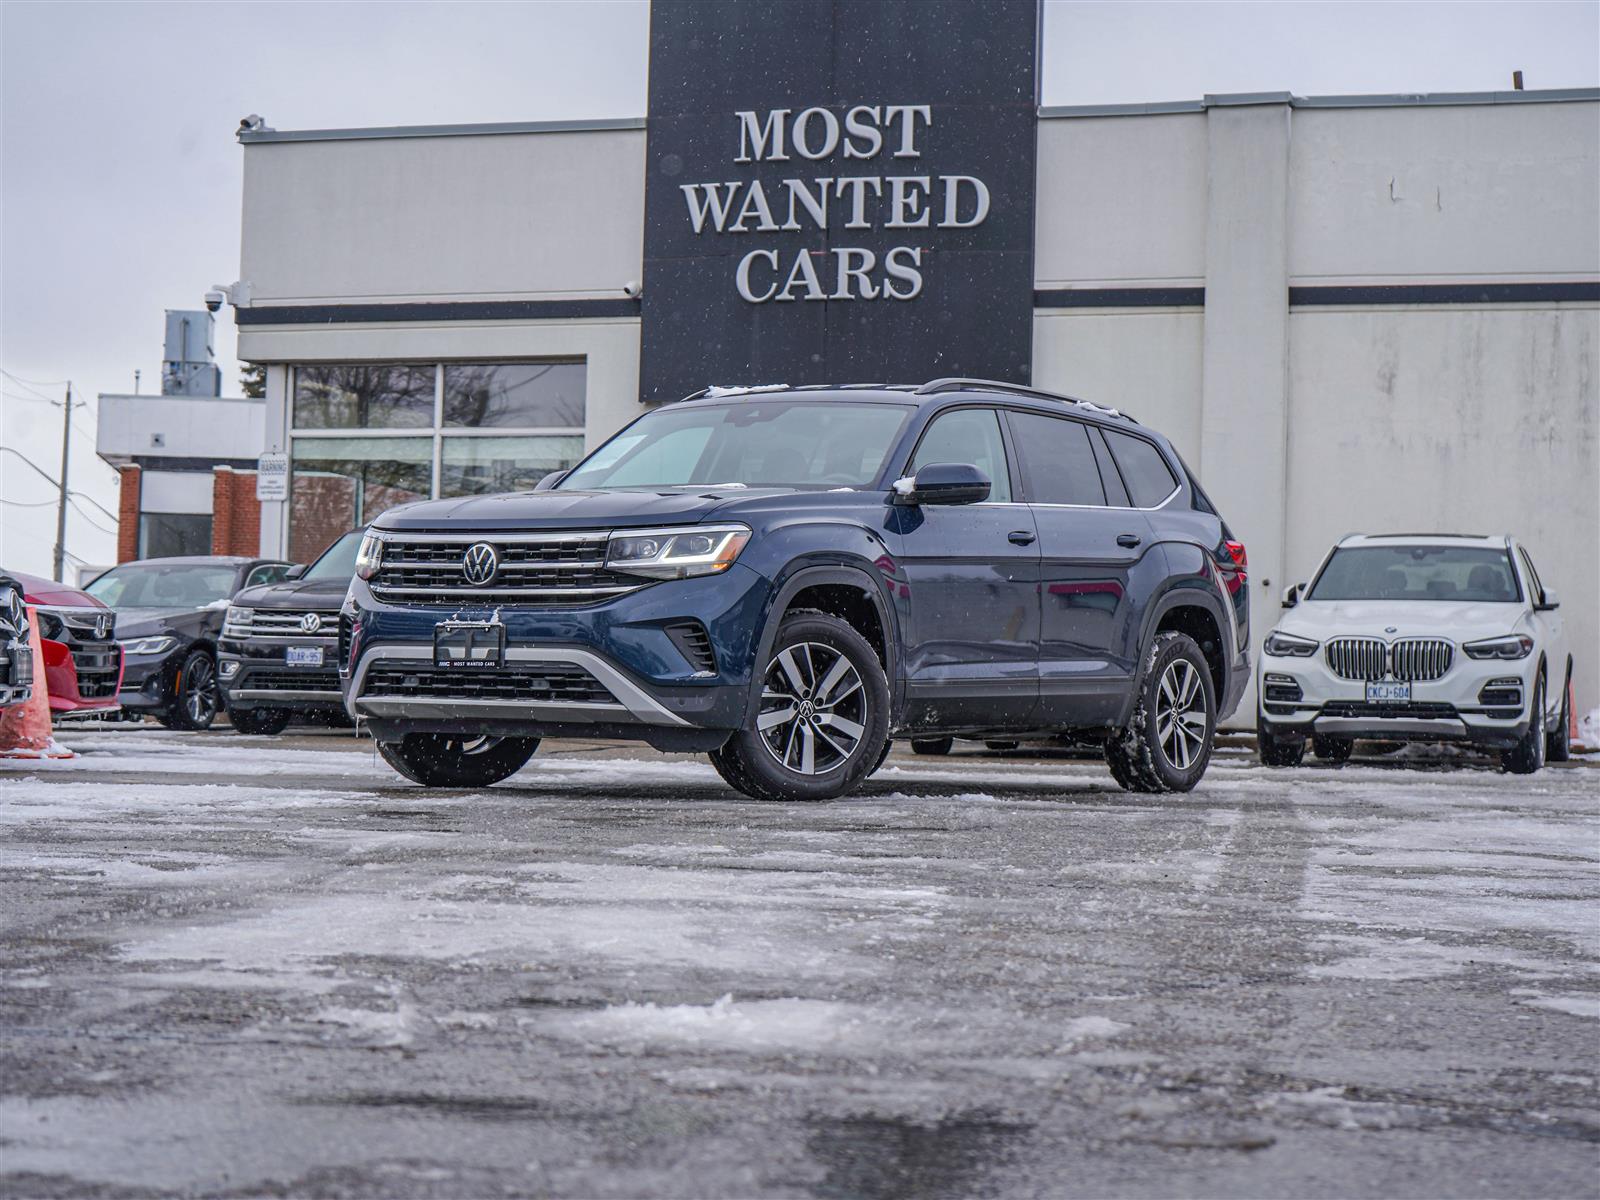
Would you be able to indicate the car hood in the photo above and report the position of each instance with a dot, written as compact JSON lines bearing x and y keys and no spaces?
{"x":567,"y":510}
{"x":52,"y":594}
{"x":324,"y":595}
{"x":147,"y":622}
{"x":1459,"y":621}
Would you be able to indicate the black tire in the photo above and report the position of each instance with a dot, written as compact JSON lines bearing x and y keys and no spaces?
{"x":267,"y":721}
{"x":1558,"y":742}
{"x":1527,"y":756}
{"x":195,"y":701}
{"x":1176,"y":677}
{"x":938,"y":746}
{"x":1275,"y":751}
{"x":439,"y":760}
{"x":1002,"y":745}
{"x":1333,"y":749}
{"x":888,"y":745}
{"x":796,"y":747}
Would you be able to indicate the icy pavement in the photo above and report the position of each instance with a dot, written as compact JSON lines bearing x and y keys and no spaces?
{"x":252,"y":966}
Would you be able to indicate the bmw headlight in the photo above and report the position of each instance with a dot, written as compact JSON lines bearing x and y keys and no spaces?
{"x":150,"y":645}
{"x":1286,"y":645}
{"x":1516,"y":645}
{"x":676,"y":553}
{"x":370,"y":557}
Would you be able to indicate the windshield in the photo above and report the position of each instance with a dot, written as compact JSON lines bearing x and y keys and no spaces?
{"x":1418,"y":573}
{"x":163,"y":585}
{"x":338,"y":561}
{"x":770,"y":443}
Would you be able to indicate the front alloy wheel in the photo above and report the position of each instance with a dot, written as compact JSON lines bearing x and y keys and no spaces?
{"x":821,"y":717}
{"x":194,"y":694}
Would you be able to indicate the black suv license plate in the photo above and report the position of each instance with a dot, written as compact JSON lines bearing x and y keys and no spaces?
{"x":469,"y":645}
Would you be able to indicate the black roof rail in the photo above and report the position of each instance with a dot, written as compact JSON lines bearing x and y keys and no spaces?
{"x":1483,"y":537}
{"x":956,"y":383}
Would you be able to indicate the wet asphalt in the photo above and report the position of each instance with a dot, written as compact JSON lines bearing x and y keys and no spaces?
{"x":237,"y":966}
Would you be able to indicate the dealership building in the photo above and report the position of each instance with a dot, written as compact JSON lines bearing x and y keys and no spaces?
{"x":1349,"y":313}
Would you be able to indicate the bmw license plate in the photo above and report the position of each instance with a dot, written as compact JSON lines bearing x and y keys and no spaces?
{"x":1389,"y":693}
{"x":303,"y":656}
{"x":469,"y":644}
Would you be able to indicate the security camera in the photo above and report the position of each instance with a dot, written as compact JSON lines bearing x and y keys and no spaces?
{"x":632,"y":288}
{"x":214,"y":299}
{"x":252,"y":122}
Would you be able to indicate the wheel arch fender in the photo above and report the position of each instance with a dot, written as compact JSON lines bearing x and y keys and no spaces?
{"x":801,"y":576}
{"x":1185,"y":592}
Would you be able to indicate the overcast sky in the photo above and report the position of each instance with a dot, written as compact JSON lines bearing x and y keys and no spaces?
{"x":119,"y":172}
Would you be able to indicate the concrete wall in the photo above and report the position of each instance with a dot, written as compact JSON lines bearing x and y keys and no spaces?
{"x":1310,"y":422}
{"x":516,"y":216}
{"x":188,"y":427}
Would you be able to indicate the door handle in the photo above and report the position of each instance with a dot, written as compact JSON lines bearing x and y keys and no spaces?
{"x":1128,"y":540}
{"x":1021,"y":537}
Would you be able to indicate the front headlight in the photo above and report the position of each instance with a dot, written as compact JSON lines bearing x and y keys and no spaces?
{"x":676,"y":553}
{"x":1286,"y":645}
{"x":237,"y":622}
{"x":370,"y":557}
{"x":149,"y":645}
{"x":1516,"y":645}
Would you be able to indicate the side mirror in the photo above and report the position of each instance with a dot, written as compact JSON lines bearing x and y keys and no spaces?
{"x":943,"y":483}
{"x":1547,"y":601}
{"x":549,"y":481}
{"x":1291,"y":594}
{"x":295,"y":571}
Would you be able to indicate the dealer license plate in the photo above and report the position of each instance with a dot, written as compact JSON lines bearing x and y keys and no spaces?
{"x":303,"y":656}
{"x":1389,"y":693}
{"x":469,"y":644}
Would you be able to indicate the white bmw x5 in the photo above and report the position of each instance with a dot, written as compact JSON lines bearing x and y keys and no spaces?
{"x":1418,"y":637}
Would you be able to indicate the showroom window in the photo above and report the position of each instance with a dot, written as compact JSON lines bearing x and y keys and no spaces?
{"x":368,"y":436}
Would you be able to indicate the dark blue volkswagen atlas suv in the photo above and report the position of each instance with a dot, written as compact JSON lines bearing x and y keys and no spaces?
{"x":789,"y":577}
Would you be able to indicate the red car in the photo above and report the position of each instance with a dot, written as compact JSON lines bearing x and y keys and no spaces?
{"x":78,"y":640}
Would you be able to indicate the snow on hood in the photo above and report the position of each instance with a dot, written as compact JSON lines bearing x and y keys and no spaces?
{"x":1454,"y":619}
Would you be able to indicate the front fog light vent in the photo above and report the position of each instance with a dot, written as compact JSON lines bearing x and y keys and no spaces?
{"x":694,"y":643}
{"x":1282,"y":688}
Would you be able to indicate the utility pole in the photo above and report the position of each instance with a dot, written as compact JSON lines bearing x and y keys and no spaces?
{"x":61,"y":506}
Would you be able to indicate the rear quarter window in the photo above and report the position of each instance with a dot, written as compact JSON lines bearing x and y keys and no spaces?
{"x":1145,"y":472}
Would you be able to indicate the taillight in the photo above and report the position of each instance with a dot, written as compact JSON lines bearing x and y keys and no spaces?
{"x":1241,"y":560}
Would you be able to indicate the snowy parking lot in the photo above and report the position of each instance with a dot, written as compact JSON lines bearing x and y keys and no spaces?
{"x":254,"y":966}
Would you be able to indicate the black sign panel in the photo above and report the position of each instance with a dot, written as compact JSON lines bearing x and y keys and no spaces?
{"x":838,"y":191}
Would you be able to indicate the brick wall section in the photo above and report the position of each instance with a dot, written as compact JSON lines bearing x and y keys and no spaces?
{"x":235,"y":512}
{"x":128,"y":515}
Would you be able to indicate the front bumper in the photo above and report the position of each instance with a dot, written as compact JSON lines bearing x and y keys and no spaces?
{"x":1485,"y":703}
{"x":254,"y":673}
{"x":82,"y":678}
{"x":147,"y":682}
{"x":608,"y":670}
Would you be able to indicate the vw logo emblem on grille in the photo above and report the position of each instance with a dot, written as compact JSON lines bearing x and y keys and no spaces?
{"x":310,"y":623}
{"x":480,"y":563}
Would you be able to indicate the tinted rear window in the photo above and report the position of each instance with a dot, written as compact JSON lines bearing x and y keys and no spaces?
{"x":1144,"y":470}
{"x":1057,"y":463}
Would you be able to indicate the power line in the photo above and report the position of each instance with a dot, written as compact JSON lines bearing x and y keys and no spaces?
{"x":29,"y":504}
{"x":49,"y":478}
{"x":85,"y":515}
{"x":34,"y":382}
{"x":28,"y":385}
{"x":97,"y":504}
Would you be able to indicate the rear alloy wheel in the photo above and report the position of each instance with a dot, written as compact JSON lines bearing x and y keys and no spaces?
{"x":1333,"y":749}
{"x":822,"y":717}
{"x":264,"y":721}
{"x":1166,"y":746}
{"x":439,"y":760}
{"x":194,"y":694}
{"x":1275,"y":751}
{"x":938,"y":746}
{"x":1527,"y":756}
{"x":1558,"y":742}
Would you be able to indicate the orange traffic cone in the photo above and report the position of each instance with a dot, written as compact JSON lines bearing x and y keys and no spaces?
{"x":25,"y":728}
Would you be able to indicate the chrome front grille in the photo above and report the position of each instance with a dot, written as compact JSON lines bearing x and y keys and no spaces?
{"x":543,"y":568}
{"x":284,"y":623}
{"x":1419,"y":660}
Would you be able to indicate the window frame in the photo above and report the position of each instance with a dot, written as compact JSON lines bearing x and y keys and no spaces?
{"x":1089,"y":430}
{"x":1177,"y":476}
{"x":1013,"y":467}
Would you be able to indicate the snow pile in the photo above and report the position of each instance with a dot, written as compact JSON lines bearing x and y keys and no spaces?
{"x":1081,"y":1029}
{"x":1589,"y":730}
{"x":788,"y":1025}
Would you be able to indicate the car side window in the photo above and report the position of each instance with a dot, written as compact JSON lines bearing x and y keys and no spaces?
{"x":1116,"y":494}
{"x":1058,"y":464}
{"x":1535,"y":585}
{"x":1144,"y":468}
{"x":972,"y":436}
{"x":268,"y":573}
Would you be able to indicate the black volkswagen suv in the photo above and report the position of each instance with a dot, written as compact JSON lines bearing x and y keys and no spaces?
{"x":787,"y":578}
